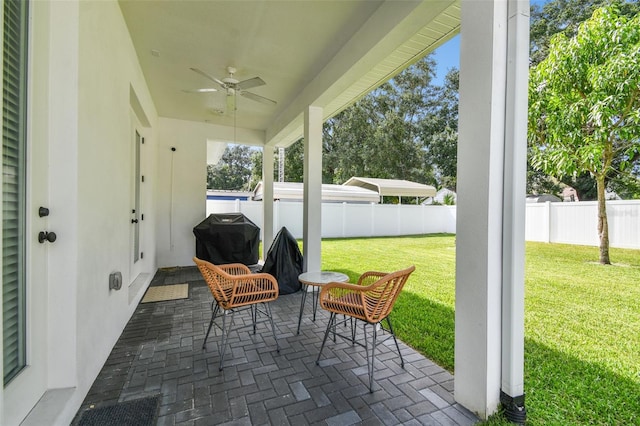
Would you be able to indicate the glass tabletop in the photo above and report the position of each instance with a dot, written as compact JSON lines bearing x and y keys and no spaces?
{"x":322,"y":277}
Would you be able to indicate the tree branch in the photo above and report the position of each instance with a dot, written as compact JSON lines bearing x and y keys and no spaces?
{"x":627,"y":108}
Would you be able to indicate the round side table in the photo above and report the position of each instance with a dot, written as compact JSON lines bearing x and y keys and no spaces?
{"x":316,"y":279}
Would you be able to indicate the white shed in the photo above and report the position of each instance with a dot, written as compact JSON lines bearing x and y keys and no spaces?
{"x":392,"y":187}
{"x":293,"y":191}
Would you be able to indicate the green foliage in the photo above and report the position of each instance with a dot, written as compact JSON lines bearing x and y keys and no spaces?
{"x":584,"y":184}
{"x":294,"y":162}
{"x":439,"y":131}
{"x":405,"y":129}
{"x":233,"y":171}
{"x":539,"y":182}
{"x":584,"y":104}
{"x":498,"y":419}
{"x":584,"y":98}
{"x":582,"y":323}
{"x":379,"y":135}
{"x":627,"y":185}
{"x":565,"y":16}
{"x":449,"y":199}
{"x":256,"y":168}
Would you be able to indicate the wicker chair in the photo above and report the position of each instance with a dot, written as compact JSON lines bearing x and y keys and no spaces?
{"x":234,"y":288}
{"x":370,"y":301}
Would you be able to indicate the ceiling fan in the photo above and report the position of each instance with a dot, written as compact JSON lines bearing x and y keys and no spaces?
{"x":234,"y":87}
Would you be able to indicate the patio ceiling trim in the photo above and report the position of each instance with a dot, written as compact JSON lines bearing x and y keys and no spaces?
{"x":441,"y":29}
{"x":362,"y":64}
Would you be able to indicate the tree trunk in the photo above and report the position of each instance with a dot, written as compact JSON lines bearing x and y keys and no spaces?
{"x":603,"y":224}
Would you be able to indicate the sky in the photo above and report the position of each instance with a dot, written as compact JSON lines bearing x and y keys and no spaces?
{"x":447,"y":56}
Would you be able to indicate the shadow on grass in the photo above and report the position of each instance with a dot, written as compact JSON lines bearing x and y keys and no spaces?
{"x":560,"y":389}
{"x":426,"y":326}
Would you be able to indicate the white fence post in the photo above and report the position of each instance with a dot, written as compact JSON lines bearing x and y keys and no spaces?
{"x":547,"y":221}
{"x":344,"y":219}
{"x":373,"y":219}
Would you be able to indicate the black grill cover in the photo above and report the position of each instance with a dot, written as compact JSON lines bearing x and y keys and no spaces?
{"x":284,"y":262}
{"x":227,"y":238}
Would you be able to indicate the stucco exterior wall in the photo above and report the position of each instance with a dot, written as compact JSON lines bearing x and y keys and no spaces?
{"x":108,"y":71}
{"x":84,"y":76}
{"x":182,"y":183}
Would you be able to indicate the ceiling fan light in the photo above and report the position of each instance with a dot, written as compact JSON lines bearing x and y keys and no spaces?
{"x":231,"y":103}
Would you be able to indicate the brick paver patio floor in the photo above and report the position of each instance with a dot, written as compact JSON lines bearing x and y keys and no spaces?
{"x":160,"y":353}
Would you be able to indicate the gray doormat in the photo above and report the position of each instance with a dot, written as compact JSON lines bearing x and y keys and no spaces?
{"x":137,"y":412}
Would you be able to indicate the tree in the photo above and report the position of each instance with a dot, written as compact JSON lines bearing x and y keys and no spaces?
{"x":627,"y":185}
{"x":539,"y":182}
{"x":293,"y":169}
{"x":565,"y":16}
{"x":256,"y":168}
{"x":584,"y":104}
{"x":380,"y":135}
{"x":439,"y":131}
{"x":233,"y":171}
{"x":294,"y":162}
{"x":405,"y":129}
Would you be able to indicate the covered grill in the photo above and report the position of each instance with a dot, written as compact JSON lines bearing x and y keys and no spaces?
{"x":284,"y":261}
{"x":227,"y":238}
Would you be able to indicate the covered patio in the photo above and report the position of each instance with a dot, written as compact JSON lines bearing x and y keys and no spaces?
{"x":160,"y":354}
{"x":112,"y":158}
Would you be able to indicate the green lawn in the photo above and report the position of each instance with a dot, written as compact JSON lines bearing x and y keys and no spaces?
{"x":582,"y":320}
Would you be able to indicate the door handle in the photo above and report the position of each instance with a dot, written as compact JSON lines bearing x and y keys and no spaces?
{"x":46,"y":236}
{"x":134,"y":220}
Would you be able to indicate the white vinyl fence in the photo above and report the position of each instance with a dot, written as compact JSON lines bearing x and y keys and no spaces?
{"x":577,"y":223}
{"x":570,"y":223}
{"x":342,"y":220}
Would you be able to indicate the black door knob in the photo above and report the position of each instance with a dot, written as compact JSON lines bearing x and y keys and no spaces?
{"x":46,"y":236}
{"x":134,"y":220}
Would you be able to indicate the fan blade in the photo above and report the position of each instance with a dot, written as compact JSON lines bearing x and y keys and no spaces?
{"x":252,"y":82}
{"x":210,"y":77}
{"x":207,"y":90}
{"x":258,"y":98}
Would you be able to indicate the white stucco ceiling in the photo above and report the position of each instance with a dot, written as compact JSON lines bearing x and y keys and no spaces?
{"x":323,"y":53}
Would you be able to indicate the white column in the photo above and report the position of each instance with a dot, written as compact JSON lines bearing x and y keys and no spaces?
{"x":490,"y":216}
{"x":312,"y":211}
{"x":267,"y":199}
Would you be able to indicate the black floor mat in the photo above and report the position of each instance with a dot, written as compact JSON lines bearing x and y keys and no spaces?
{"x":137,"y":412}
